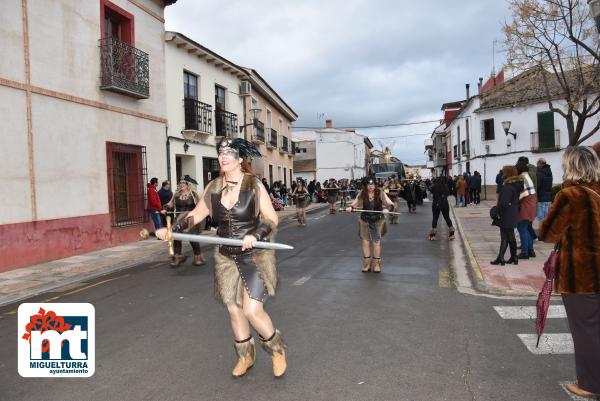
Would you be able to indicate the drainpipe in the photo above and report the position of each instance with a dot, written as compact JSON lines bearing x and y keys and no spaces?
{"x":168,"y":153}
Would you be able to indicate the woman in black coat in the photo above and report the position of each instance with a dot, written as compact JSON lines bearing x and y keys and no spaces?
{"x":508,"y":211}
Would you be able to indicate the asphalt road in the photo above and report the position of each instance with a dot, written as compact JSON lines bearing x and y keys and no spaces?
{"x":404,"y":334}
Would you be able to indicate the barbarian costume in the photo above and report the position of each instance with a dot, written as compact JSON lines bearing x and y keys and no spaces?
{"x":393,"y":193}
{"x":252,"y":270}
{"x":332,"y":191}
{"x":181,"y":207}
{"x":372,"y":225}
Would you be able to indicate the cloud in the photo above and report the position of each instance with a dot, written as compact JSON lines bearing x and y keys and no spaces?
{"x":359,"y":62}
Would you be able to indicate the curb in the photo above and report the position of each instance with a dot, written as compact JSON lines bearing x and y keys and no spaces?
{"x":477,"y":280}
{"x":11,"y":299}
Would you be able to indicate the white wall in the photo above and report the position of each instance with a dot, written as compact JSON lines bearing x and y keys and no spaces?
{"x":340,"y":154}
{"x":69,"y":138}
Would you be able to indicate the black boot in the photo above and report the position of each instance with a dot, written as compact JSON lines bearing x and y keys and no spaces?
{"x":500,"y":259}
{"x":513,"y":253}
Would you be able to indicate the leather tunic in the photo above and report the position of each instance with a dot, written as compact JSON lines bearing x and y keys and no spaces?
{"x":236,"y":222}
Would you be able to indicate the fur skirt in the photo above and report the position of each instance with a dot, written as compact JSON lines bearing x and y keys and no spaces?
{"x":365,"y":233}
{"x":229,"y":286}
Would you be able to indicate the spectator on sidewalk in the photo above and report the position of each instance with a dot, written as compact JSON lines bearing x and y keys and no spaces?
{"x":508,"y":211}
{"x":544,"y":189}
{"x":468,"y":198}
{"x":476,"y":187}
{"x":499,"y":182}
{"x":165,"y":194}
{"x":461,"y":188}
{"x":154,"y":205}
{"x":574,"y":224}
{"x":266,"y":184}
{"x":311,"y":189}
{"x":527,"y":211}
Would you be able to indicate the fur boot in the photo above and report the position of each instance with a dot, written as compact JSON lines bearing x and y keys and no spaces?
{"x":177,"y":260}
{"x":246,"y":353}
{"x":366,"y":265}
{"x":275,"y":347}
{"x":376,"y":265}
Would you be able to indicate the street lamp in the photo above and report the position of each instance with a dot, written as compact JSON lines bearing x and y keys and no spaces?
{"x":255,"y":114}
{"x":506,"y":127}
{"x":595,"y":10}
{"x":186,"y":146}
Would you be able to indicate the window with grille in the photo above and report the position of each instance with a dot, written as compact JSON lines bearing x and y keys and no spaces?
{"x":127,"y":177}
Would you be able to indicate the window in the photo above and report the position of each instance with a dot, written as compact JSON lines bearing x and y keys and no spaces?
{"x":546,"y":130}
{"x":219,"y":97}
{"x":116,"y":23}
{"x":463,"y":147}
{"x":487,"y":130}
{"x":456,"y":151}
{"x":127,"y":176}
{"x":285,"y":176}
{"x":190,"y":86}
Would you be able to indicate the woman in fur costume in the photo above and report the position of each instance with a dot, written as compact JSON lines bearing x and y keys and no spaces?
{"x":184,"y":200}
{"x":371,"y":226}
{"x":244,"y":277}
{"x":574,"y":223}
{"x":394,"y":187}
{"x":299,"y":194}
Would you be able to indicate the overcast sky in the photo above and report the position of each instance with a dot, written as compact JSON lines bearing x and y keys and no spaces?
{"x":358,"y":62}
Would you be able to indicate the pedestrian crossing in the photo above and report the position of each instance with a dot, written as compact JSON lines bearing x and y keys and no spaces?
{"x":550,"y":343}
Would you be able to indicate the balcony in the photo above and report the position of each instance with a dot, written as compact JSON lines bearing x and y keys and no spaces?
{"x":285,"y":145}
{"x":545,"y":142}
{"x":259,"y":133}
{"x":124,"y":69}
{"x":198,"y":116}
{"x":226,"y":123}
{"x":272,"y":139}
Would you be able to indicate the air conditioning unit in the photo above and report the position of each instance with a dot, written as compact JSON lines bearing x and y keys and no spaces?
{"x":245,"y":88}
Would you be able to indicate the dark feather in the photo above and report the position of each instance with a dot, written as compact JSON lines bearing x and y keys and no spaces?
{"x":245,"y":149}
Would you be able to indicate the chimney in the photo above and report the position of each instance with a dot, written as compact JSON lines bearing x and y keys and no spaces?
{"x":480,"y":86}
{"x":328,"y":123}
{"x":467,"y":87}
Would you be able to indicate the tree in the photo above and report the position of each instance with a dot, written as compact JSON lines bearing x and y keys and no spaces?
{"x":559,"y":41}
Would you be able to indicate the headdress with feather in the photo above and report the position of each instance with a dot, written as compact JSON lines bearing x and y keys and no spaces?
{"x":245,"y":149}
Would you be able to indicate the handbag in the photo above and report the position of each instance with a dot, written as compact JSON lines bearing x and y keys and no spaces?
{"x":495,"y":216}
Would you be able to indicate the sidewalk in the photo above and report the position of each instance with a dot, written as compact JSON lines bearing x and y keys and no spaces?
{"x":482,"y":240}
{"x":26,"y":282}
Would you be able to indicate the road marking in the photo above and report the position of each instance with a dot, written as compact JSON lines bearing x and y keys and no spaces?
{"x":301,"y":281}
{"x":553,"y":344}
{"x":529,"y":312}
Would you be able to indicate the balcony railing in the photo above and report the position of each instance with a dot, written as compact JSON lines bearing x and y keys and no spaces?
{"x":124,"y":69}
{"x":547,"y":142}
{"x":198,"y":115}
{"x":273,"y":138}
{"x":285,"y":145}
{"x":226,"y":123}
{"x":259,"y":132}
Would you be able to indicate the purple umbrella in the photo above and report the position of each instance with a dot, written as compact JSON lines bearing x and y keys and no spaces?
{"x":543,"y":300}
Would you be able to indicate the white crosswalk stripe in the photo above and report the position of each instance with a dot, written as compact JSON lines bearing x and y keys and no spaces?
{"x":550,"y":343}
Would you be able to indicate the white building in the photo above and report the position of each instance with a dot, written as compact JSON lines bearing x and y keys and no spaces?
{"x":477,"y":141}
{"x":204,"y":104}
{"x":82,"y":104}
{"x":329,"y":153}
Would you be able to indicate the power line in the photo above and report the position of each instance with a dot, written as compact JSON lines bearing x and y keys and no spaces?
{"x":378,"y":126}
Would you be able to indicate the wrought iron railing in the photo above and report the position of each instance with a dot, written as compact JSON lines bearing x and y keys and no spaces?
{"x":273,"y":138}
{"x":124,"y":69}
{"x":285,"y":145}
{"x":198,"y":115}
{"x":547,"y":142}
{"x":226,"y":123}
{"x":259,"y":134}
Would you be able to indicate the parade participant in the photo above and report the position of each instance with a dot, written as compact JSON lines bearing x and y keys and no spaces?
{"x":184,"y":200}
{"x":410,"y":195}
{"x":299,"y":194}
{"x":440,"y":193}
{"x":371,"y":226}
{"x":394,"y":187}
{"x":332,"y":190}
{"x":244,"y":277}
